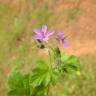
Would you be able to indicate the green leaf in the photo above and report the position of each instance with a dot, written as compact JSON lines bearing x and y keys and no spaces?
{"x":18,"y":84}
{"x":39,"y":77}
{"x":42,"y":63}
{"x":54,"y":77}
{"x":57,"y":53}
{"x":38,"y":91}
{"x":69,"y":63}
{"x":17,"y":92}
{"x":47,"y":79}
{"x":15,"y":80}
{"x":65,"y":57}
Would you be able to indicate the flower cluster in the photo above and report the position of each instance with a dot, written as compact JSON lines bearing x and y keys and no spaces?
{"x":44,"y":34}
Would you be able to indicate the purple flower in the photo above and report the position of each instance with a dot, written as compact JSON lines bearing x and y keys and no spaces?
{"x":43,"y":34}
{"x":62,"y":40}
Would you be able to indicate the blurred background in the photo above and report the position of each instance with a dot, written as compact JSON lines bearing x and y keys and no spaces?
{"x":76,"y":18}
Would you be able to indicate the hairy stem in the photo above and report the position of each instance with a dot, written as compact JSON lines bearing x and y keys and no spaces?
{"x":50,"y":66}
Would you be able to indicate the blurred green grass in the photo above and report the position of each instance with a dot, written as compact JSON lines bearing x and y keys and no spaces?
{"x":16,"y":47}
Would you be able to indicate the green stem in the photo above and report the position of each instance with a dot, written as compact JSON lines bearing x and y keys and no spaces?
{"x":48,"y":89}
{"x":50,"y":59}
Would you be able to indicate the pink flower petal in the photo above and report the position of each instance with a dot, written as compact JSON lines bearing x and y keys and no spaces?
{"x":50,"y":33}
{"x":37,"y":31}
{"x":65,"y":43}
{"x":44,"y":29}
{"x":60,"y":35}
{"x":37,"y":37}
{"x":45,"y":39}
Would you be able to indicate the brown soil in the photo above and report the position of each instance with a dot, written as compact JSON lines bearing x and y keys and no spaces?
{"x":83,"y":30}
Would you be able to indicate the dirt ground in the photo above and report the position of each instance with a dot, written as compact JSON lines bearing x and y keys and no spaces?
{"x":83,"y":31}
{"x":86,"y":29}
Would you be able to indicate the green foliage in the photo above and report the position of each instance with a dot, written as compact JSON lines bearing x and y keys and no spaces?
{"x":18,"y":84}
{"x":37,"y":82}
{"x":43,"y":77}
{"x":44,"y":74}
{"x":42,"y":63}
{"x":38,"y":91}
{"x":40,"y":76}
{"x":69,"y":63}
{"x":33,"y":84}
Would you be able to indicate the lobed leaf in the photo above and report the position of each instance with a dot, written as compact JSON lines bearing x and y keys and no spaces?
{"x":18,"y":84}
{"x":69,"y":63}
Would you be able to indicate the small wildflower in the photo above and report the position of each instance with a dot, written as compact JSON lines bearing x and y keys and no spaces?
{"x":43,"y":34}
{"x":62,"y":40}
